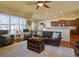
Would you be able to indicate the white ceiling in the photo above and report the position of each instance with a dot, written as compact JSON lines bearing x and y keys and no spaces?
{"x":58,"y":9}
{"x":18,"y":8}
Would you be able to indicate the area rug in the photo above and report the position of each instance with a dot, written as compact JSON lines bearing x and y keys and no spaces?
{"x":20,"y":50}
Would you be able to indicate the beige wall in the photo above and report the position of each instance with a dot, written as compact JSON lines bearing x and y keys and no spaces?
{"x":29,"y":18}
{"x":47,"y":22}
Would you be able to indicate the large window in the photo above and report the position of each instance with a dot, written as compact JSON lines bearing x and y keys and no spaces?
{"x":12,"y":23}
{"x":4,"y":19}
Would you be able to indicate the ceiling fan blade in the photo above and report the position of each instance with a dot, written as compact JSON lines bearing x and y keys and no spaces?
{"x":37,"y":7}
{"x":39,"y":1}
{"x":47,"y":1}
{"x":46,"y":6}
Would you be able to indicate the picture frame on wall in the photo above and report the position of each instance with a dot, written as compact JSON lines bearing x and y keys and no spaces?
{"x":29,"y":22}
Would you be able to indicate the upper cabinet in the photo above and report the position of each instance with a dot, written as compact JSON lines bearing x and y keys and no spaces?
{"x":65,"y":23}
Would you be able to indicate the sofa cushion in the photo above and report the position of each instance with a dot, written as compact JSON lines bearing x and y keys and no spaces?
{"x":47,"y":34}
{"x":55,"y":35}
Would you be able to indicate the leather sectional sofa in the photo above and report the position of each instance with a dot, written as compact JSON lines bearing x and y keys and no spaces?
{"x":47,"y":36}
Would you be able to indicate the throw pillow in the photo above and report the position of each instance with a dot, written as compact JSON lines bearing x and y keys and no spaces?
{"x":55,"y":35}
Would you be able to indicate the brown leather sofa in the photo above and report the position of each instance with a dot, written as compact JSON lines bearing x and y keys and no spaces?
{"x":47,"y":36}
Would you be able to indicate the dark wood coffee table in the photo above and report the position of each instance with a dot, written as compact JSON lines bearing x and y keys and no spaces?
{"x":36,"y":44}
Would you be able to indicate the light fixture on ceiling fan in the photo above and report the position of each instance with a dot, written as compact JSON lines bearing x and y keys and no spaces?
{"x":40,"y":4}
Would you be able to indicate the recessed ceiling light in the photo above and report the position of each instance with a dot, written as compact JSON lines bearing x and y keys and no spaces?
{"x":61,"y":12}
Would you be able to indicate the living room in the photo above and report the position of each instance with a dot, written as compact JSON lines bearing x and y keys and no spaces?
{"x":39,"y":28}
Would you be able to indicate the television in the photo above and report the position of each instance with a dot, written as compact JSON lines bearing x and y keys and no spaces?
{"x":26,"y":30}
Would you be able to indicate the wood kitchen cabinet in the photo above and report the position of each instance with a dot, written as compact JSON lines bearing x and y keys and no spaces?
{"x":64,"y":22}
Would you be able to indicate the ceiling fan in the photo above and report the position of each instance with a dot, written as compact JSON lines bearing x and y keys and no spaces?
{"x":40,"y":4}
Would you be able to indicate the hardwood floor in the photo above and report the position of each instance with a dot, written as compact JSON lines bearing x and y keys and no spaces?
{"x":67,"y":44}
{"x":71,"y":43}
